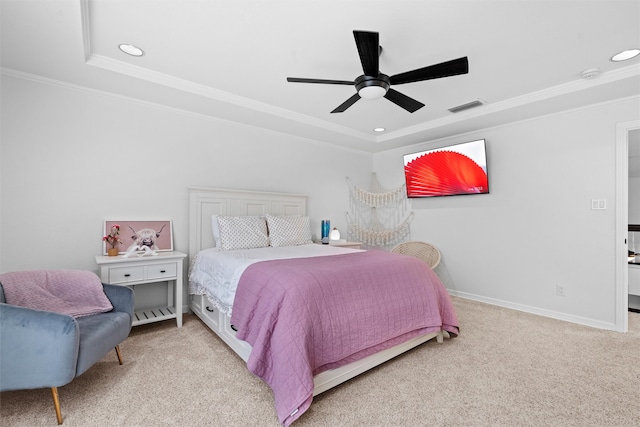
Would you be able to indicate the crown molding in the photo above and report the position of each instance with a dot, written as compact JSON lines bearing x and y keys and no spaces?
{"x":632,"y":71}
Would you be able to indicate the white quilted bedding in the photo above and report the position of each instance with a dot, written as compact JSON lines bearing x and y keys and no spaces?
{"x":215,"y":273}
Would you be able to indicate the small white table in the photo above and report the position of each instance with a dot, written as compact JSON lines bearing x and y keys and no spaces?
{"x":139,"y":270}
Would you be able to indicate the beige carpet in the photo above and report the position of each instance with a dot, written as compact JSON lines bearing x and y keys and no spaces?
{"x":507,"y":368}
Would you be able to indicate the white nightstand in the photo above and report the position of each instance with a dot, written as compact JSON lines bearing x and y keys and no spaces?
{"x":135,"y":270}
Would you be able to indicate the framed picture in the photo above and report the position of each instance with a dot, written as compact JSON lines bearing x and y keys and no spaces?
{"x":156,"y":235}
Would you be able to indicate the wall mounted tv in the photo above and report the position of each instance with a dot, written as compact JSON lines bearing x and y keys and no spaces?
{"x":447,"y":171}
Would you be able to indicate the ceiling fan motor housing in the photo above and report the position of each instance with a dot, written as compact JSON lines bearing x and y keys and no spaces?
{"x":381,"y":80}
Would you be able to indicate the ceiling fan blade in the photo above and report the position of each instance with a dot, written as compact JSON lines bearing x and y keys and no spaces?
{"x":346,"y":104}
{"x":444,"y":69}
{"x":368,"y":46}
{"x":401,"y":100}
{"x":329,"y":82}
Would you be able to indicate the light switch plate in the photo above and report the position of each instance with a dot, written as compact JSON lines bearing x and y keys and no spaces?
{"x":598,"y":204}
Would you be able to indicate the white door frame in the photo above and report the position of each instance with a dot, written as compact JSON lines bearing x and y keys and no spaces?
{"x":622,"y":223}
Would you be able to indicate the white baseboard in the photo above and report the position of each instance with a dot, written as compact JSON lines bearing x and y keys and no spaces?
{"x":535,"y":310}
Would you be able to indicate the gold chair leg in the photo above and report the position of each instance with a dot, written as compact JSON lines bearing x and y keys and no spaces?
{"x":56,"y":399}
{"x":118,"y":353}
{"x":56,"y":404}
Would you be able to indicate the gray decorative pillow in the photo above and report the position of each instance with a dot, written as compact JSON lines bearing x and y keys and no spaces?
{"x":289,"y":230}
{"x":242,"y":232}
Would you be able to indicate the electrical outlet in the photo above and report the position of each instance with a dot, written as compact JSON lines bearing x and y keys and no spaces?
{"x":561,"y":291}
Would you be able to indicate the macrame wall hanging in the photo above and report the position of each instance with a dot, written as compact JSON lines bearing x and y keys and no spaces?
{"x":378,"y":218}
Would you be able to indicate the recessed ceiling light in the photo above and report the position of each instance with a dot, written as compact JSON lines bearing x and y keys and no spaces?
{"x":625,"y":54}
{"x":379,"y":129}
{"x":130,"y":49}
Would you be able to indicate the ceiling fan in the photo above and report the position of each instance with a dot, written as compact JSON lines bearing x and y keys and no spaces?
{"x":373,"y":84}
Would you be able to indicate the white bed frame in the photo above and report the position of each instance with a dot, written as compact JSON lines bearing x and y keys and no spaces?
{"x":204,"y":202}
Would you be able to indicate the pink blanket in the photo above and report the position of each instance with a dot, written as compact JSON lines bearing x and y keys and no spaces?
{"x":72,"y":292}
{"x":306,"y":315}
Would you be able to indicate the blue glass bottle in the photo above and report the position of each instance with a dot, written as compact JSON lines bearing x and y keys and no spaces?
{"x":326,"y":228}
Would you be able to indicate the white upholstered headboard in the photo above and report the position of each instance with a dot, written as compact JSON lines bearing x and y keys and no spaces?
{"x":204,"y":202}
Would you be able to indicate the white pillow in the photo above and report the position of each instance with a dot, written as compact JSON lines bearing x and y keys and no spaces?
{"x":290,"y":230}
{"x":216,"y":231}
{"x":242,"y":232}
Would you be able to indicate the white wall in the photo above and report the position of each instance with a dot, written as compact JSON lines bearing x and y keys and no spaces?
{"x":71,"y":159}
{"x":634,"y":200}
{"x":536,"y":228}
{"x":634,"y":210}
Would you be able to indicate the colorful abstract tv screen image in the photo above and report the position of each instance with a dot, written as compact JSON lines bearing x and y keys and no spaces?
{"x":447,"y":171}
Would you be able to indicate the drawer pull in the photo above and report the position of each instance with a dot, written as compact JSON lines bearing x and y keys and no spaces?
{"x":163,"y":271}
{"x":127,"y":275}
{"x":208,"y":309}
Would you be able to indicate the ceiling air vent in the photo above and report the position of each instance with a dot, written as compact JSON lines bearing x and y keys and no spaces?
{"x":466,"y":106}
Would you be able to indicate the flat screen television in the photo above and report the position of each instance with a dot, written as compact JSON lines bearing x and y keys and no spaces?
{"x":447,"y":171}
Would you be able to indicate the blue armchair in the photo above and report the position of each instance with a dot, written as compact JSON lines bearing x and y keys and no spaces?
{"x":41,"y":349}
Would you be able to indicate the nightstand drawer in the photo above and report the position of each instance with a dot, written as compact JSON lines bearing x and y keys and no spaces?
{"x":162,"y":271}
{"x":126,"y":274}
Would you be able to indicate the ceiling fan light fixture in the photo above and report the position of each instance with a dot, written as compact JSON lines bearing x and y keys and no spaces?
{"x":625,"y":55}
{"x":369,"y":87}
{"x":372,"y":92}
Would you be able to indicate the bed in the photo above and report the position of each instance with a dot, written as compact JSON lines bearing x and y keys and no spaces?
{"x":292,"y":301}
